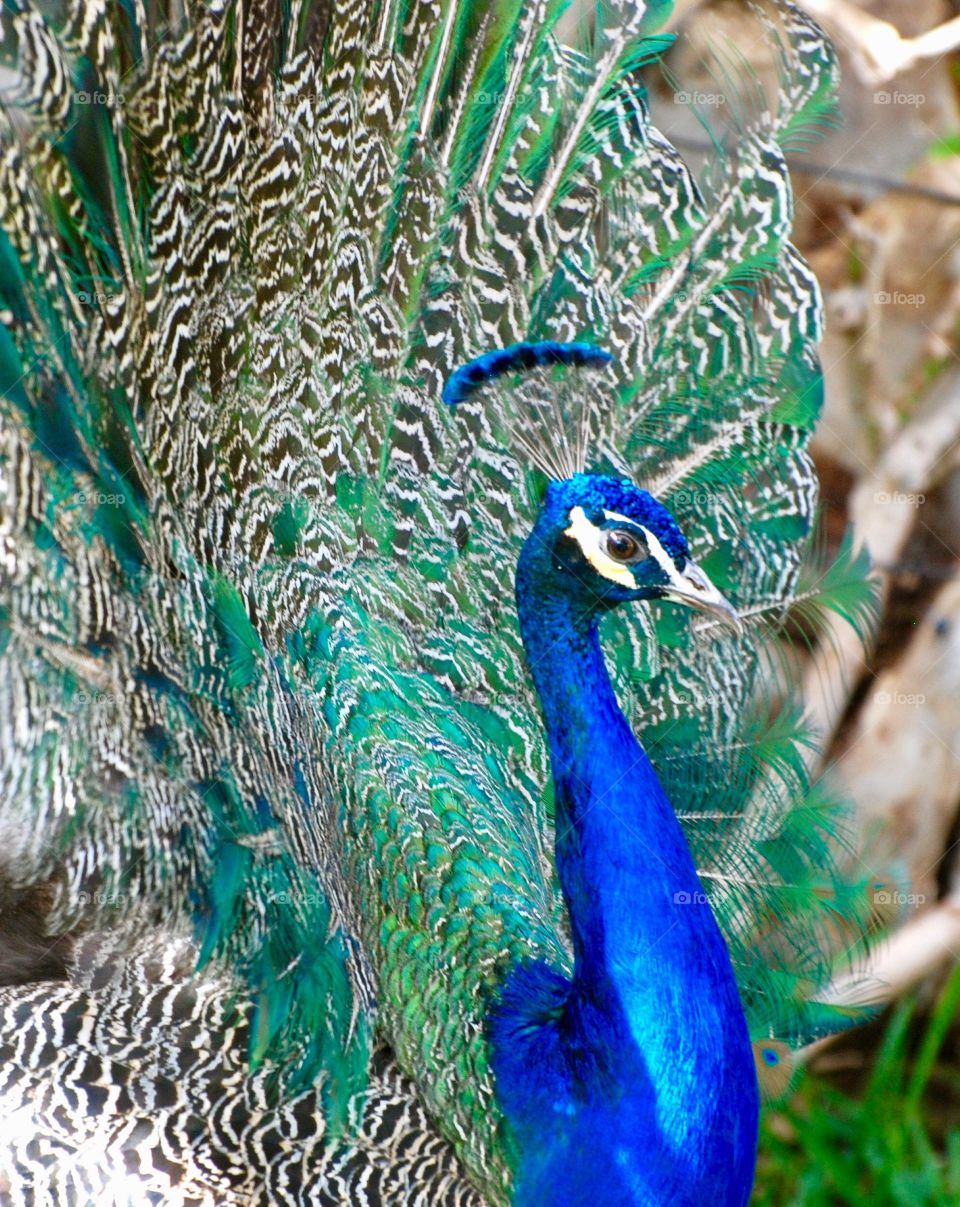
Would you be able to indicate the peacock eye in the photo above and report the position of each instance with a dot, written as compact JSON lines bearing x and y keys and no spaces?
{"x":623,"y":546}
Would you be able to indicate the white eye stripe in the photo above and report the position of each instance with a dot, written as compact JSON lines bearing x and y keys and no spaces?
{"x":657,"y":551}
{"x":622,"y":519}
{"x":660,"y":556}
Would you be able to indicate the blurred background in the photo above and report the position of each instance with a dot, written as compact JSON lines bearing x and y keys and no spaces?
{"x":875,"y":1115}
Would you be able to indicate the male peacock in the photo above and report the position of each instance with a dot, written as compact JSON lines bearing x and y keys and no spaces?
{"x":283,"y":920}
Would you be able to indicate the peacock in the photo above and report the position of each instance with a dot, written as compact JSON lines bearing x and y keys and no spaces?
{"x":405,"y":515}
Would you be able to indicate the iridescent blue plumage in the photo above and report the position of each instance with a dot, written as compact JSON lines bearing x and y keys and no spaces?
{"x":469,"y":378}
{"x":634,"y":1081}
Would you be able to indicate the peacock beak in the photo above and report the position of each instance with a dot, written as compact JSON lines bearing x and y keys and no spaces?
{"x":691,"y":586}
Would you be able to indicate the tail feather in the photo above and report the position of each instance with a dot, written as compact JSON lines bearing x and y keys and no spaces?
{"x":147,"y":1095}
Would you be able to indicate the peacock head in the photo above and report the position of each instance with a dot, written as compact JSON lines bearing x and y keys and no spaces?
{"x":598,"y":538}
{"x":606,"y":541}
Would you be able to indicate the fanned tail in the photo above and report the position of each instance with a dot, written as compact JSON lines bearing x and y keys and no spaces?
{"x":259,"y":665}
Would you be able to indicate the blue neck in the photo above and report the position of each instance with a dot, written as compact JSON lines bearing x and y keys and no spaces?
{"x":635,"y":1082}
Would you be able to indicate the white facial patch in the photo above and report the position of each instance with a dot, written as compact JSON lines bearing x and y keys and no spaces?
{"x":588,"y":537}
